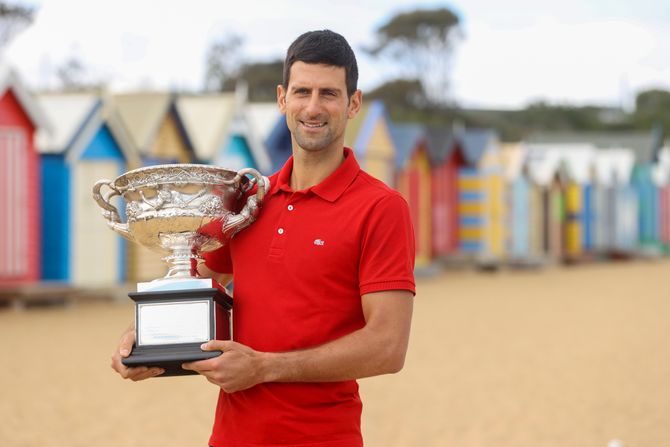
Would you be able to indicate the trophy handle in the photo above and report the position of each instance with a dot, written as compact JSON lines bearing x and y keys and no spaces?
{"x":236,"y":222}
{"x":110,"y":213}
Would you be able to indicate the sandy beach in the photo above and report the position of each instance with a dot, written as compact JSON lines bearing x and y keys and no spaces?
{"x":566,"y":356}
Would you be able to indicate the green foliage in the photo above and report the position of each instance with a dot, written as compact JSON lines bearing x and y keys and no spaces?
{"x":419,"y":45}
{"x":262,"y":79}
{"x":224,"y":60}
{"x":652,"y":108}
{"x":14,"y":18}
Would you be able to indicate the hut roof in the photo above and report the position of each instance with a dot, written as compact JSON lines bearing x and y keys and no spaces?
{"x":207,"y":120}
{"x":76,"y":117}
{"x":406,"y":138}
{"x":475,"y":143}
{"x":440,"y":143}
{"x":68,"y":112}
{"x":10,"y":80}
{"x":142,"y":114}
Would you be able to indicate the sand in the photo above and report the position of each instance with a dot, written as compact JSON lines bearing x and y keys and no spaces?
{"x":567,"y":356}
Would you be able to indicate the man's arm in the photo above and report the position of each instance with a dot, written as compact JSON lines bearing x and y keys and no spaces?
{"x":377,"y":348}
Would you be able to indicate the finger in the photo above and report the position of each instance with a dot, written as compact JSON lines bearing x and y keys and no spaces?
{"x":146,"y":374}
{"x":218,"y":345}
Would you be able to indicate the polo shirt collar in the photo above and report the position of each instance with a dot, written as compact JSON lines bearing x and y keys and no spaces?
{"x":332,"y":187}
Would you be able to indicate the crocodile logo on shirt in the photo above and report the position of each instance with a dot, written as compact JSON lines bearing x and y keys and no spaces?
{"x":319,"y":242}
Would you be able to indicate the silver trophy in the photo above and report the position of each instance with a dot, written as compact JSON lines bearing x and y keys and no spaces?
{"x":180,"y":211}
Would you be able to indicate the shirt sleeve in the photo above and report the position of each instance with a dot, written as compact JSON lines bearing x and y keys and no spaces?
{"x":387,"y":248}
{"x":219,"y":260}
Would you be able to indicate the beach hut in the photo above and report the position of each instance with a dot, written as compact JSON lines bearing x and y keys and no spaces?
{"x":413,"y":181}
{"x":20,"y":117}
{"x":445,"y":164}
{"x":661,"y":177}
{"x":157,"y":130}
{"x":518,"y":203}
{"x":278,"y":144}
{"x":615,"y":204}
{"x":649,"y":237}
{"x":88,"y":143}
{"x":481,"y":201}
{"x":578,"y":223}
{"x":547,"y":178}
{"x":369,"y":136}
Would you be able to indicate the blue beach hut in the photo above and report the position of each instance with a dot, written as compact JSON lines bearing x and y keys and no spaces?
{"x":88,"y":143}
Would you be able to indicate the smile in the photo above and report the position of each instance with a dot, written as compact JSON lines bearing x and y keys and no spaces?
{"x":313,"y":125}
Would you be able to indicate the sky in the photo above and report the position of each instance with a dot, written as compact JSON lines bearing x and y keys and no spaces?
{"x":512,"y":53}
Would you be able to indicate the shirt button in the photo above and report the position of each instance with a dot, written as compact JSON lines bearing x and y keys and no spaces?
{"x":290,"y":207}
{"x":280,"y":231}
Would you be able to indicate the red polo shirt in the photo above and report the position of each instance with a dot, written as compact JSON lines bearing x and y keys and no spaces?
{"x":299,"y":273}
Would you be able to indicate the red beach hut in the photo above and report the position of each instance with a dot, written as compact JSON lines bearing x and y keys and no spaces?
{"x":20,"y":117}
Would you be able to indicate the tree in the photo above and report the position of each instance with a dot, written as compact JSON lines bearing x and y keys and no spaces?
{"x":402,"y":93}
{"x":652,"y":109}
{"x":262,"y":79}
{"x":419,"y":45}
{"x":224,"y":61}
{"x":13,"y":20}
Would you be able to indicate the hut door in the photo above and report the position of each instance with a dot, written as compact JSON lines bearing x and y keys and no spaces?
{"x":95,"y":251}
{"x":14,"y":222}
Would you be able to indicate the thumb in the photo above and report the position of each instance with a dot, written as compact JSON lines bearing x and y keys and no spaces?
{"x":126,"y":343}
{"x":217,"y":345}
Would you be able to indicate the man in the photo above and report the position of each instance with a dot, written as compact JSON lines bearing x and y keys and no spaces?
{"x":323,"y":279}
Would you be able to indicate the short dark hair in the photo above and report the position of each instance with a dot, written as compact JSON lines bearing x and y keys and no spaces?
{"x":323,"y":47}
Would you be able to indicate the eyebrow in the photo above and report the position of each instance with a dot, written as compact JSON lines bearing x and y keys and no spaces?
{"x":321,"y":89}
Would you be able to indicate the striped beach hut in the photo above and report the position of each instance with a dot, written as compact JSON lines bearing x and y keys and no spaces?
{"x":368,"y":134}
{"x":20,"y":118}
{"x":157,"y":130}
{"x":481,"y":197}
{"x":413,"y":181}
{"x":88,"y":143}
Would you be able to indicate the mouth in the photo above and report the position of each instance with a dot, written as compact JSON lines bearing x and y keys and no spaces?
{"x":313,"y":124}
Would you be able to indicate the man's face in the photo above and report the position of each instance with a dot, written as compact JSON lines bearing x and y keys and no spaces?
{"x":316,"y":106}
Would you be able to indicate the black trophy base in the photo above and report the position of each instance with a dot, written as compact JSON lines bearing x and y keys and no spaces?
{"x":171,"y":356}
{"x":168,"y":357}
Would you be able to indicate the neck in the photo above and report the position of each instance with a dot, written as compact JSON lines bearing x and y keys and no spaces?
{"x":311,"y":168}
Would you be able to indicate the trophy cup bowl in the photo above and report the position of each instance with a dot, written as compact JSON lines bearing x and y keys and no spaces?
{"x":180,"y":211}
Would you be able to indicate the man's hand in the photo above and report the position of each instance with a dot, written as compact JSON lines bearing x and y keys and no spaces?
{"x":123,"y":350}
{"x":238,"y":368}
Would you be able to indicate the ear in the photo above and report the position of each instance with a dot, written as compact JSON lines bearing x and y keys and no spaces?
{"x":355,"y":103}
{"x":281,"y":99}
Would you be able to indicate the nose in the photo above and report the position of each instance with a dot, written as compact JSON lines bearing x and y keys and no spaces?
{"x":313,"y":106}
